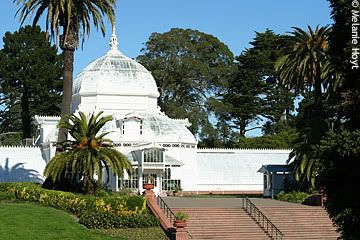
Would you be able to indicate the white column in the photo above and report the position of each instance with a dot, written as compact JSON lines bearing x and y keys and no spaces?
{"x":140,"y":177}
{"x":116,"y":183}
{"x":141,"y":170}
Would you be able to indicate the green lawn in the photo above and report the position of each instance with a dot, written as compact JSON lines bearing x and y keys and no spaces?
{"x":23,"y":221}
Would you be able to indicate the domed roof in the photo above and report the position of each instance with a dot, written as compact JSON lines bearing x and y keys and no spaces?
{"x":155,"y":126}
{"x":167,"y":129}
{"x":115,"y":74}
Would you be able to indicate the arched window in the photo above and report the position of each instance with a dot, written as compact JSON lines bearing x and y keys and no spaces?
{"x":134,"y":126}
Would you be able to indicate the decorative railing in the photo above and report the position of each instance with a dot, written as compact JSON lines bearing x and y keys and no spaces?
{"x":163,"y":206}
{"x":268,"y":227}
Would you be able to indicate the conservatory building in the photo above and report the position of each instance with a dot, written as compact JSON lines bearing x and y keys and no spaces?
{"x":159,"y":148}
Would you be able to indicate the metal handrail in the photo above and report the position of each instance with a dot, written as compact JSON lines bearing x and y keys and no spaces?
{"x":268,"y":227}
{"x":168,"y":212}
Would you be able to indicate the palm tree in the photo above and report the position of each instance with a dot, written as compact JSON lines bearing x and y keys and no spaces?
{"x":87,"y":153}
{"x":73,"y":19}
{"x":306,"y":65}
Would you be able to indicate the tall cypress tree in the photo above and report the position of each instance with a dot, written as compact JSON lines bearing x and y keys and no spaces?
{"x":30,"y":79}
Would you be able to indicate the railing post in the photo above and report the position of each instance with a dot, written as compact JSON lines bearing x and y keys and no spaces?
{"x":260,"y":219}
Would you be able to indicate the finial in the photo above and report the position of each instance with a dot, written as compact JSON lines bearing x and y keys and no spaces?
{"x":113,"y":40}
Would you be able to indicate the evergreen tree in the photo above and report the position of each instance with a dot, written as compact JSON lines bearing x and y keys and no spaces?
{"x":189,"y":67}
{"x":30,"y":79}
{"x":339,"y":149}
{"x":254,"y":94}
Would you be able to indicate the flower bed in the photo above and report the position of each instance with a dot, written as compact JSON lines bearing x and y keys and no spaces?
{"x":94,"y":212}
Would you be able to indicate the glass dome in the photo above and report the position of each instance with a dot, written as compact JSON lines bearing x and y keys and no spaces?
{"x":167,"y":129}
{"x":154,"y":127}
{"x":115,"y":74}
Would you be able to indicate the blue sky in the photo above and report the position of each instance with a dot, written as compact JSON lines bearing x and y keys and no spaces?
{"x":232,"y":21}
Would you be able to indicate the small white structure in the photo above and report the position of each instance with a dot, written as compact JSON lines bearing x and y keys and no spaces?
{"x":275,"y":178}
{"x":156,"y":145}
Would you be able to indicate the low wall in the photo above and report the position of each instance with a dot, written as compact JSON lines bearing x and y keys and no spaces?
{"x":21,"y":164}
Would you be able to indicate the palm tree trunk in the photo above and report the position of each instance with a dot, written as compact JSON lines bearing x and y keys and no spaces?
{"x":68,"y":55}
{"x":318,"y":93}
{"x":68,"y":44}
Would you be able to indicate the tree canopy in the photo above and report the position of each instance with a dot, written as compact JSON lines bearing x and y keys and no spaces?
{"x":254,"y":95}
{"x":189,"y":67}
{"x":305,"y":64}
{"x":339,"y":149}
{"x":30,"y":80}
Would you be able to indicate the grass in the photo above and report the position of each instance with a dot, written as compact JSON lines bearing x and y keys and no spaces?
{"x":155,"y":233}
{"x":23,"y":221}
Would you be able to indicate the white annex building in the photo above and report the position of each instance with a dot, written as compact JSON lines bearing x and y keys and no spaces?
{"x":156,"y":145}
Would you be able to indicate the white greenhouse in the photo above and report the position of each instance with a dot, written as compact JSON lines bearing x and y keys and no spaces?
{"x":156,"y":145}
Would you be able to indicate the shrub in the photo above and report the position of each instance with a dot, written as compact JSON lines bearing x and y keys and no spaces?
{"x":103,"y":220}
{"x":135,"y":202}
{"x":108,"y":220}
{"x":94,"y":211}
{"x":7,"y":197}
{"x":294,"y":197}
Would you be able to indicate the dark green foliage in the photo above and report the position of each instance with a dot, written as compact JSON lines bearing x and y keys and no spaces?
{"x":11,"y":139}
{"x":107,"y":220}
{"x":30,"y":80}
{"x":189,"y":67}
{"x":254,"y":94}
{"x":87,"y":154}
{"x":282,"y":140}
{"x":220,"y":135}
{"x":305,"y":66}
{"x":6,"y":197}
{"x":294,"y":197}
{"x":339,"y":148}
{"x":326,"y":152}
{"x":339,"y":174}
{"x":345,"y":94}
{"x":133,"y":202}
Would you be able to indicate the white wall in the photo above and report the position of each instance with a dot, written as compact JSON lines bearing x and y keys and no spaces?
{"x":235,"y":169}
{"x":21,"y":164}
{"x":188,"y":172}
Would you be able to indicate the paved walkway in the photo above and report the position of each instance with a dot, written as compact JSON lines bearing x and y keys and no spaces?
{"x":189,"y":202}
{"x":267,"y":202}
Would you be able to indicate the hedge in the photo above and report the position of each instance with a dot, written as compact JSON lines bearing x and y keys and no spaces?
{"x":109,"y":220}
{"x":294,"y":197}
{"x":113,"y":211}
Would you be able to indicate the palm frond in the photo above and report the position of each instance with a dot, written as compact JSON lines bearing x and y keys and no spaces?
{"x":89,"y":152}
